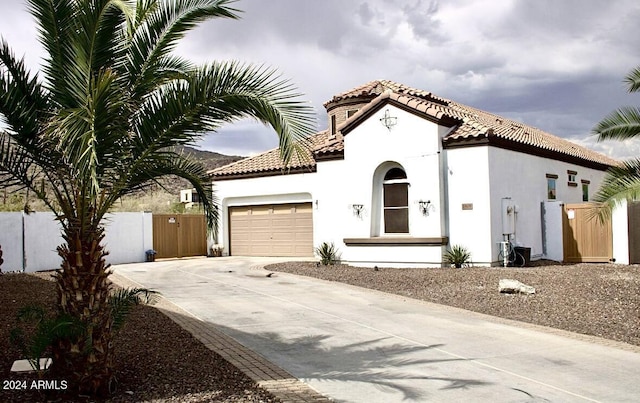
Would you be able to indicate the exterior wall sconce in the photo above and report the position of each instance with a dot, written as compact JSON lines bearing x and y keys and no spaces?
{"x":425,"y":207}
{"x":358,"y":210}
{"x":388,"y":121}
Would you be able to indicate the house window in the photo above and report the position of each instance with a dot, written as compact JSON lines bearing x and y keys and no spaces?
{"x":571,"y":177}
{"x":333,"y":125}
{"x":551,"y":186}
{"x":585,"y":190}
{"x":351,"y":112}
{"x":396,"y":202}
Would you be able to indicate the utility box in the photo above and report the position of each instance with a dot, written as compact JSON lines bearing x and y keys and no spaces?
{"x":523,"y":256}
{"x":508,"y":216}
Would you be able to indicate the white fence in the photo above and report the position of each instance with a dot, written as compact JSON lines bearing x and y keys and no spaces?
{"x":29,"y":241}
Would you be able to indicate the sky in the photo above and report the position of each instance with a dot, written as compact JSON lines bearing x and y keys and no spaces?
{"x":557,"y":65}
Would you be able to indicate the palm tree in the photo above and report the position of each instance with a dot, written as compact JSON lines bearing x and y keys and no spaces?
{"x":104,"y":121}
{"x":621,"y":182}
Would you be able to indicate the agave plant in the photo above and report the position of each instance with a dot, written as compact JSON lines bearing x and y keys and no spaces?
{"x":328,"y":253}
{"x":457,"y":256}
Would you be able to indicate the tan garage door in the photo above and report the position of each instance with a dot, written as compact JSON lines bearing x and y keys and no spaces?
{"x":271,"y":230}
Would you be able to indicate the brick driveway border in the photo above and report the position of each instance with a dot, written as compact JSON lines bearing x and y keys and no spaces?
{"x":266,"y":374}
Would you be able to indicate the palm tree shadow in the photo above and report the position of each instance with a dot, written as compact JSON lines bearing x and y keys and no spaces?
{"x":390,"y":367}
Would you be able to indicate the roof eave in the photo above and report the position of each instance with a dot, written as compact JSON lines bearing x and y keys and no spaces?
{"x":523,"y":148}
{"x":260,"y":174}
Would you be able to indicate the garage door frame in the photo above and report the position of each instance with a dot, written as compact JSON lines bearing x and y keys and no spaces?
{"x":271,"y":229}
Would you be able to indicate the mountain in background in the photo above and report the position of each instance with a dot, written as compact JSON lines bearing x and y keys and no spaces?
{"x":161,"y":198}
{"x":209,"y":159}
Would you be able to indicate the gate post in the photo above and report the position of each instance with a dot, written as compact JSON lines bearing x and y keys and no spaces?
{"x":552,"y":235}
{"x":620,"y":228}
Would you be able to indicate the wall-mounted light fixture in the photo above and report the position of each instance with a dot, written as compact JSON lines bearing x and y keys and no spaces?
{"x":388,"y":121}
{"x":424,"y":207}
{"x":358,"y":210}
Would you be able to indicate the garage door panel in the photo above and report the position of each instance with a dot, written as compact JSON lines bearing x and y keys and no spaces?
{"x":303,"y":251}
{"x":283,"y":237}
{"x":271,"y":230}
{"x":283,"y":210}
{"x":282,"y":249}
{"x":304,"y":208}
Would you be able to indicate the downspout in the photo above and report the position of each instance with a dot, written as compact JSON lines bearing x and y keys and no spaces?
{"x":444,"y":186}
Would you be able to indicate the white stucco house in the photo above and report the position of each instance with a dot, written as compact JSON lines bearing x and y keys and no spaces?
{"x":400,"y":175}
{"x":189,"y":198}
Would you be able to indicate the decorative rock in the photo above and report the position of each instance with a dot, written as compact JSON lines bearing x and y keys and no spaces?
{"x":25,"y":366}
{"x":514,"y":287}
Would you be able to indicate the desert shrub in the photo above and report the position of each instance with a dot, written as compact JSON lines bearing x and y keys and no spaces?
{"x":328,"y":253}
{"x":457,"y":256}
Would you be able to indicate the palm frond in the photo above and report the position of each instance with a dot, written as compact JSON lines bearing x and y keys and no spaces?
{"x":22,"y":98}
{"x":633,"y":80}
{"x":236,"y":90}
{"x":55,"y":20}
{"x":622,"y":124}
{"x":87,"y":136}
{"x":620,"y":183}
{"x":123,"y":300}
{"x":159,"y":26}
{"x":47,"y":331}
{"x":145,"y":171}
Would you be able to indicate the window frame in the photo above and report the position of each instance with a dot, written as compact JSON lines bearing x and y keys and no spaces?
{"x":333,"y":125}
{"x":552,"y":187}
{"x":572,"y":178}
{"x":585,"y":190}
{"x":388,"y":184}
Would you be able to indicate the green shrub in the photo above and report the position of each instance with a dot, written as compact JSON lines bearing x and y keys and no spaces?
{"x":328,"y":253}
{"x":457,"y":256}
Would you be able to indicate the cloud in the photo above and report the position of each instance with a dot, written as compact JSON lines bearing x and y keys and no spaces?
{"x":555,"y":65}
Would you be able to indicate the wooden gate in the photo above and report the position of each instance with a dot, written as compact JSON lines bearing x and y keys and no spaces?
{"x":585,"y":239}
{"x":179,"y":235}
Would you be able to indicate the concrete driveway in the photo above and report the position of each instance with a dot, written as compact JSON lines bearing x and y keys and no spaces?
{"x":356,"y":345}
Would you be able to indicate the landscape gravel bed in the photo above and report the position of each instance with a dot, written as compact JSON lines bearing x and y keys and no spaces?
{"x":155,"y":359}
{"x":594,"y":299}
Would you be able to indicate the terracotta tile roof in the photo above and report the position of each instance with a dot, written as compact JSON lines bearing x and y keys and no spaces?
{"x":270,"y":162}
{"x":472,"y":123}
{"x":375,"y":88}
{"x":479,"y":123}
{"x":469,"y":125}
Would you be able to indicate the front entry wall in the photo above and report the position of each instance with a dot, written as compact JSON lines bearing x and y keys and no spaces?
{"x":271,"y":230}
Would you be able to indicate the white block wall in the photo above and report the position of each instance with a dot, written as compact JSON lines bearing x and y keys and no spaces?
{"x":128,"y":236}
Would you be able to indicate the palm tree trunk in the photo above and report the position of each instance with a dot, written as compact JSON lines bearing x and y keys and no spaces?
{"x":83,"y":290}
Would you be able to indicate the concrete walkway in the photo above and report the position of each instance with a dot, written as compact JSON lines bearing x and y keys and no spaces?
{"x":356,"y":345}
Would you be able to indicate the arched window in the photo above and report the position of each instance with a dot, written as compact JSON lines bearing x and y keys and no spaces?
{"x":396,"y":202}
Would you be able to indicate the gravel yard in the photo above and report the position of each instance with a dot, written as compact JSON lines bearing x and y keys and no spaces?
{"x":594,"y":299}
